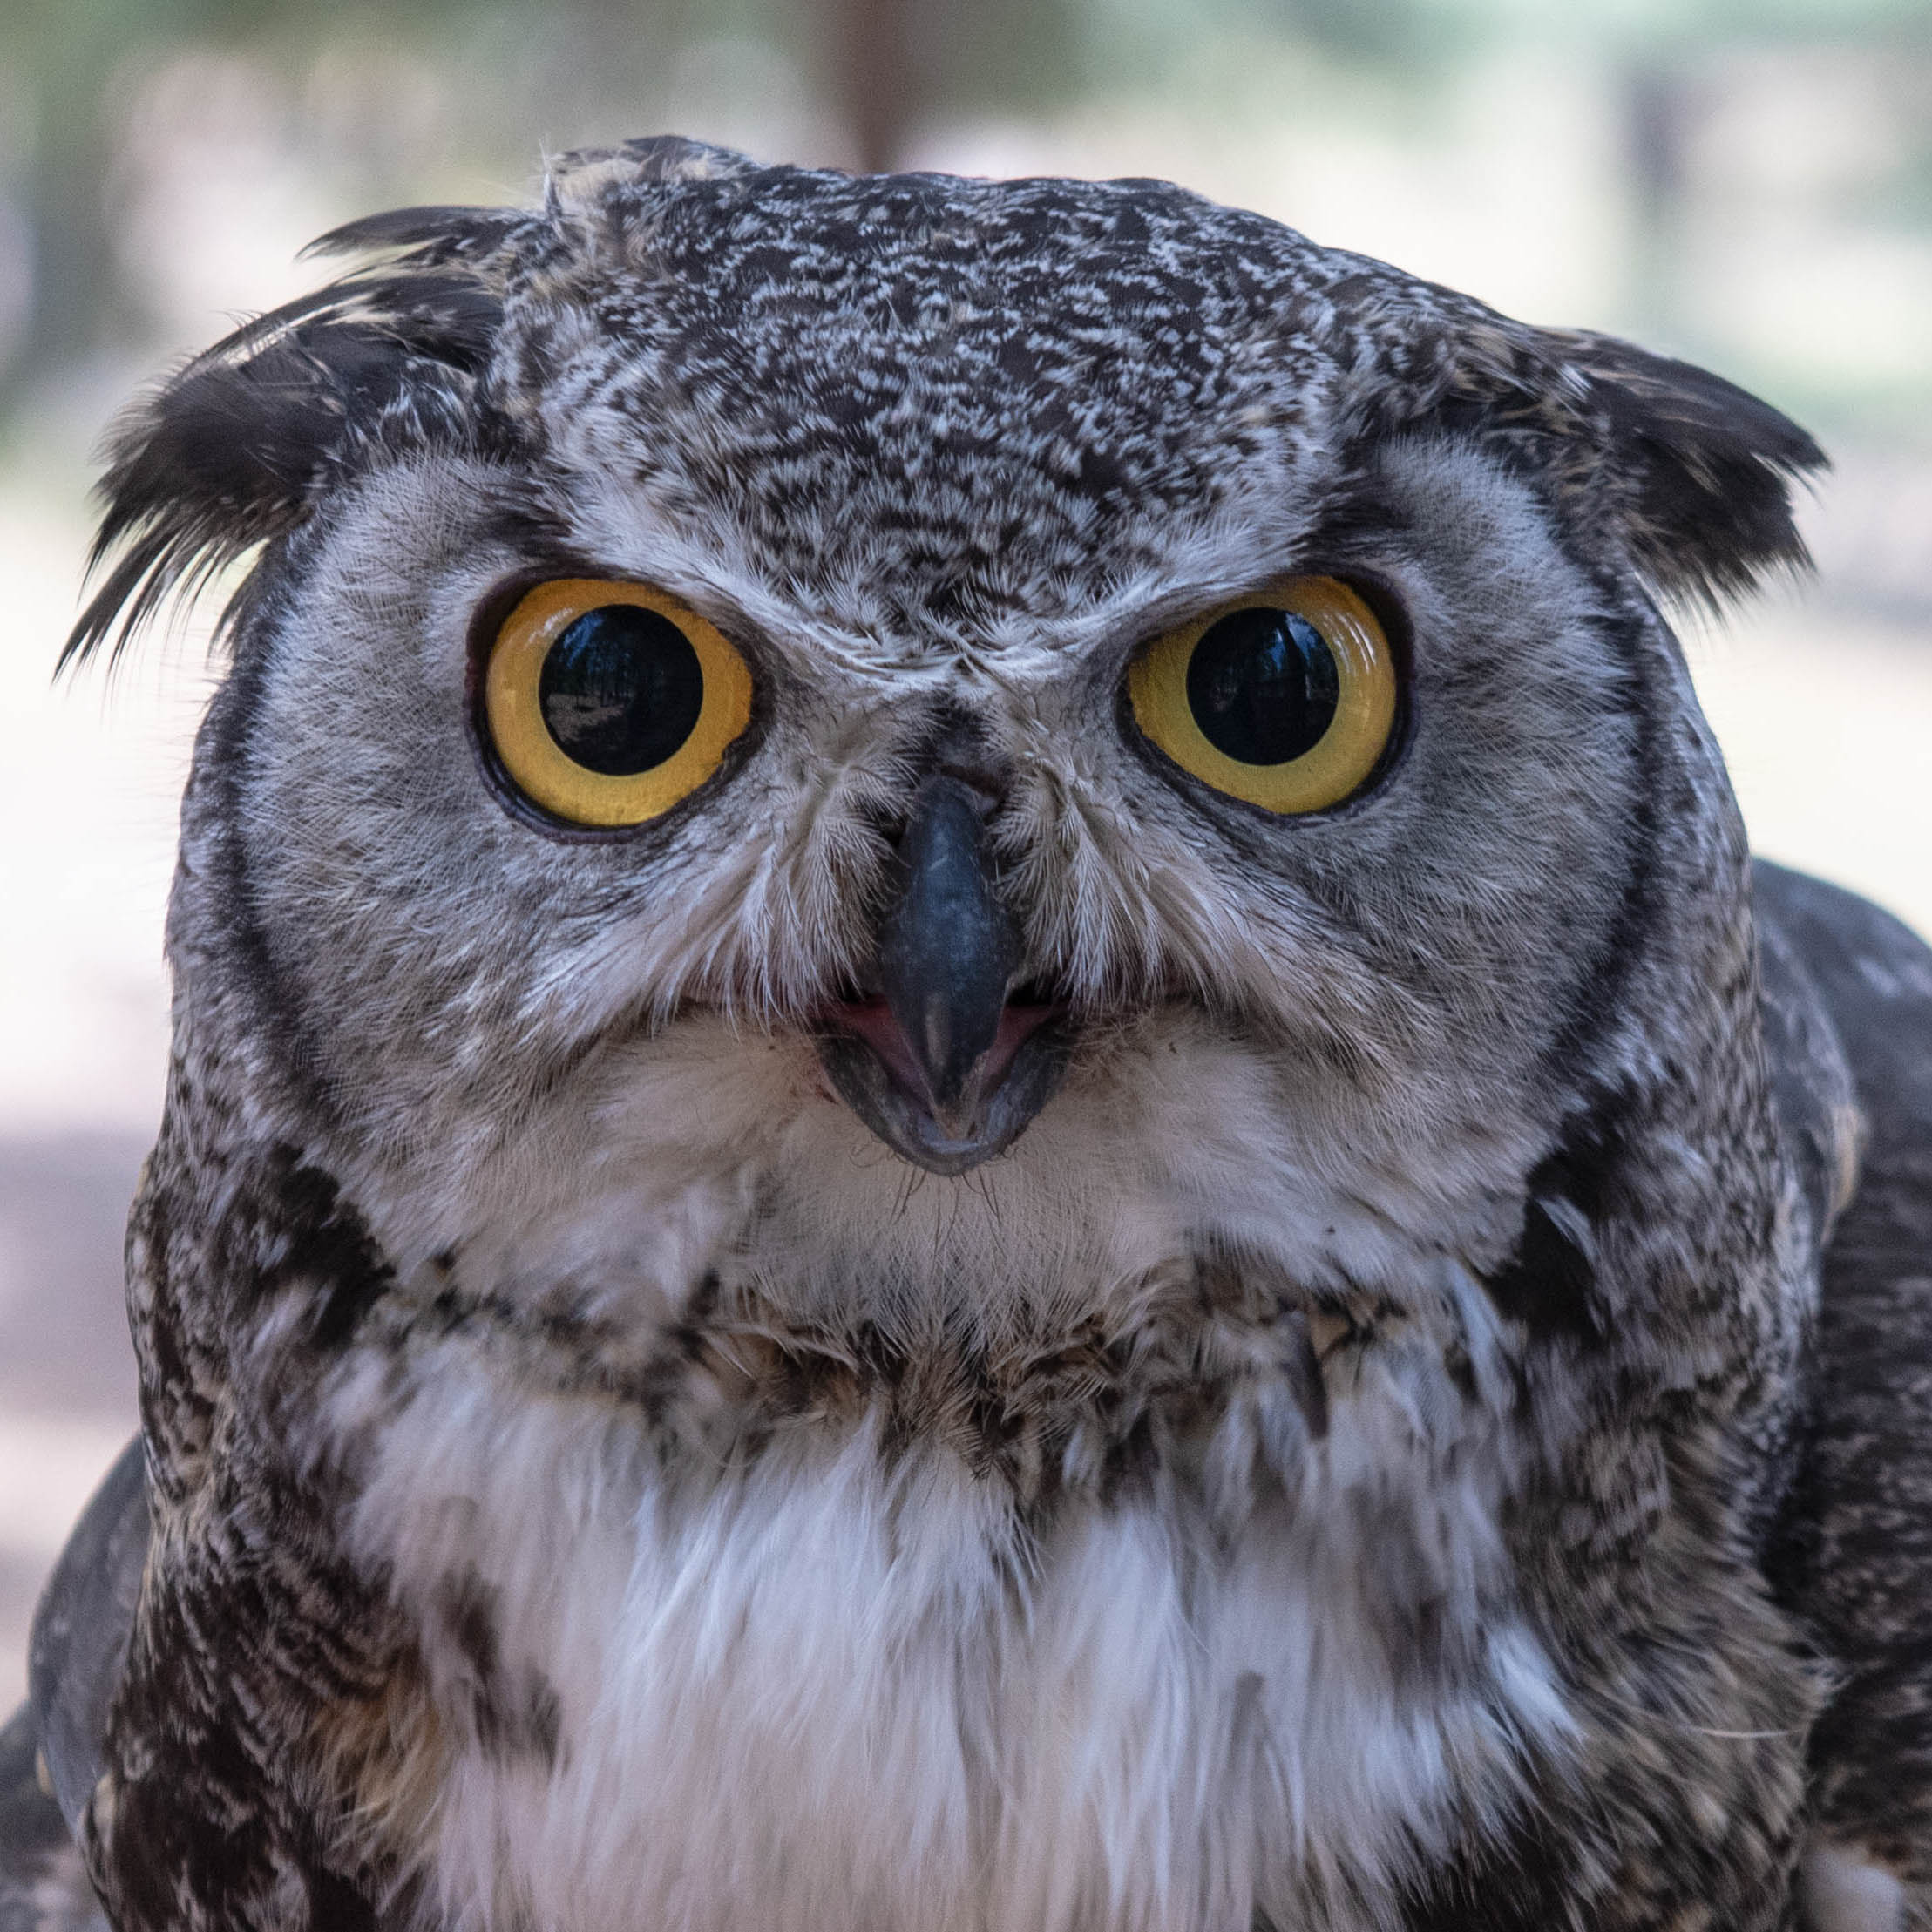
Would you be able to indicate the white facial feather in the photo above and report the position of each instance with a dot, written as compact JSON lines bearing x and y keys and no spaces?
{"x":831,"y":1690}
{"x":826,"y":1688}
{"x":822,"y":1685}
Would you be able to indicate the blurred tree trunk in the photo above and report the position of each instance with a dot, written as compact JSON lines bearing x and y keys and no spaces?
{"x":1660,"y":111}
{"x":874,"y":76}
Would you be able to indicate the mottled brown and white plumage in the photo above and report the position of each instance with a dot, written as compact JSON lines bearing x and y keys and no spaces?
{"x":1373,"y":1452}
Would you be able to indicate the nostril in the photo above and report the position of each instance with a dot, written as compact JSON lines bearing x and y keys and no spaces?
{"x":1034,"y":991}
{"x":985,"y":788}
{"x":960,"y":754}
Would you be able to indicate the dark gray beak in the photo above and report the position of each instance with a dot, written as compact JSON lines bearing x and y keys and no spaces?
{"x":941,"y":1068}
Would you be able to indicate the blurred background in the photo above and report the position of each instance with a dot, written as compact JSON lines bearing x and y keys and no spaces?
{"x":1748,"y":183}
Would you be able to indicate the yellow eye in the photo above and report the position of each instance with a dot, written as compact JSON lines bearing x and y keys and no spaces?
{"x":609,"y":702}
{"x":1285,"y":698}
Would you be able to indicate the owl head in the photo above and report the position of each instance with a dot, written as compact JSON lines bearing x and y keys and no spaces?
{"x":932,"y":717}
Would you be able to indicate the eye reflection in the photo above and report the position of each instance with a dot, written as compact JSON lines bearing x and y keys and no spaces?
{"x":1263,"y":686}
{"x":621,"y":689}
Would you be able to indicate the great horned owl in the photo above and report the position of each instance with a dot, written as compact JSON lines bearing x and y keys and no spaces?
{"x":981,"y":1118}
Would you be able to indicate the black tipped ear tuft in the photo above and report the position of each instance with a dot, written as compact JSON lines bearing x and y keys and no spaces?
{"x":1703,"y":469}
{"x":435,"y":235}
{"x":230,"y":453}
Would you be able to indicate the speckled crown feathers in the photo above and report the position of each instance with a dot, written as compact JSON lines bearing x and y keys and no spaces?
{"x":940,"y":362}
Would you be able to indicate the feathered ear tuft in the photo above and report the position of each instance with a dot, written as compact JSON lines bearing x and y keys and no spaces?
{"x":230,"y":453}
{"x":1702,"y":469}
{"x":1693,"y":474}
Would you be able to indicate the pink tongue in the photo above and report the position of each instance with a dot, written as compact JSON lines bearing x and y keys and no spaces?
{"x":873,"y":1023}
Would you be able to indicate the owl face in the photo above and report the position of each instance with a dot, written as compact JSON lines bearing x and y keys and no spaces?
{"x":905,"y":715}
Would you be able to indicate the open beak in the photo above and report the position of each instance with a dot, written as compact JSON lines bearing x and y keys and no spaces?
{"x":941,"y":1066}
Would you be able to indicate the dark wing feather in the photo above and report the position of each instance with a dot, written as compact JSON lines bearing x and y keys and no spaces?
{"x":43,"y":1886}
{"x":81,"y":1629}
{"x":1855,"y":1559}
{"x":51,"y":1753}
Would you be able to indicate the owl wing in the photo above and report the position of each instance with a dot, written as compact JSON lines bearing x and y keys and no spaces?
{"x":42,"y":1885}
{"x":50,"y":1752}
{"x":1853,"y":1556}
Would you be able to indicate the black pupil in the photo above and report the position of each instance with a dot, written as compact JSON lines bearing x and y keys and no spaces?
{"x":621,"y":689}
{"x":1263,"y":686}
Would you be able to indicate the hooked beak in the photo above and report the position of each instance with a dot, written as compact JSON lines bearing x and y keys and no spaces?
{"x":941,"y":1068}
